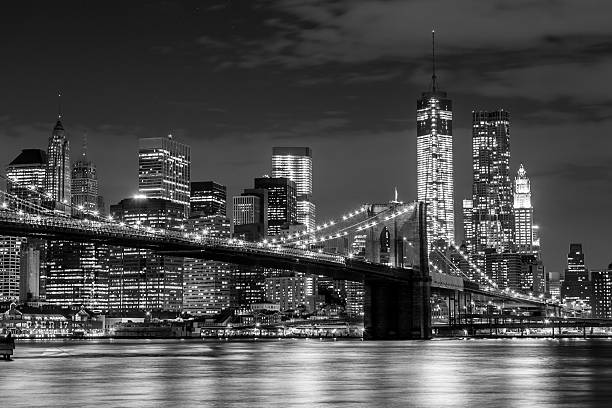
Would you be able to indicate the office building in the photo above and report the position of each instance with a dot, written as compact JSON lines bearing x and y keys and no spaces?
{"x":84,"y":186}
{"x":164,"y":170}
{"x":139,"y":279}
{"x":602,"y":293}
{"x":250,"y":215}
{"x":206,"y":284}
{"x":292,"y":291}
{"x":26,"y":175}
{"x":282,"y":203}
{"x":523,"y":214}
{"x":577,"y":288}
{"x":492,"y":220}
{"x":295,"y":163}
{"x":58,"y":175}
{"x":435,"y":163}
{"x":208,"y":198}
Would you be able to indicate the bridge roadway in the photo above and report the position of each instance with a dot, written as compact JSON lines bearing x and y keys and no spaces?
{"x":173,"y":243}
{"x":396,"y":300}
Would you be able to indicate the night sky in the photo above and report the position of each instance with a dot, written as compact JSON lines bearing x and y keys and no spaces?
{"x":235,"y":78}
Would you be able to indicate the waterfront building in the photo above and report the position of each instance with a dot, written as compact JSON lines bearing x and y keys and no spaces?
{"x":29,"y":275}
{"x":208,"y":198}
{"x":435,"y":163}
{"x":206,"y":284}
{"x":533,"y":275}
{"x":504,"y":269}
{"x":282,"y":203}
{"x":523,"y":214}
{"x":295,"y":163}
{"x":554,"y":285}
{"x":58,"y":176}
{"x":77,"y":272}
{"x":492,"y":220}
{"x":602,"y":293}
{"x":139,"y":279}
{"x":27,"y":176}
{"x":577,"y":289}
{"x":291,"y":292}
{"x":164,"y":170}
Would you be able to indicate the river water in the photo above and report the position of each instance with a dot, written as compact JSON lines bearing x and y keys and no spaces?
{"x":444,"y":373}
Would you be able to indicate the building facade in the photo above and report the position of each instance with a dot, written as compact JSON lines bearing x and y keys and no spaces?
{"x":492,"y":220}
{"x":164,"y":170}
{"x":602,"y":293}
{"x":523,"y":213}
{"x":282,"y":202}
{"x":140,"y":280}
{"x":208,"y":198}
{"x":435,"y":178}
{"x":58,"y":175}
{"x":85,"y":196}
{"x":295,"y":163}
{"x":206,"y":284}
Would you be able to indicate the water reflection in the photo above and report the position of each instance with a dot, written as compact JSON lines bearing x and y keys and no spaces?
{"x":509,"y":373}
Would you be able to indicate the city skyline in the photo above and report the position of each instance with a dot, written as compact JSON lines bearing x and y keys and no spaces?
{"x":541,"y":118}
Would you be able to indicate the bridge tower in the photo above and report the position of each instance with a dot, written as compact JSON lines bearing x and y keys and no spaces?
{"x":398,"y":310}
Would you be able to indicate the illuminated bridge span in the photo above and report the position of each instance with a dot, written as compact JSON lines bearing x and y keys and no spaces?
{"x":397,"y":280}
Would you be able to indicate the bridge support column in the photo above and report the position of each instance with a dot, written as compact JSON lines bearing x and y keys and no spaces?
{"x":397,"y":311}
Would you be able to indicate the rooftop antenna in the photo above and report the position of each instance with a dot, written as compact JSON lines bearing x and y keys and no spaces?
{"x":59,"y":105}
{"x":433,"y":60}
{"x":85,"y":145}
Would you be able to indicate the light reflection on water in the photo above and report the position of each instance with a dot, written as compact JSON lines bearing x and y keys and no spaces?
{"x":507,"y":373}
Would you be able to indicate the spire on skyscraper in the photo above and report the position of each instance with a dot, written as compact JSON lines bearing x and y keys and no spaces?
{"x":433,"y":60}
{"x":85,"y":145}
{"x":59,"y":106}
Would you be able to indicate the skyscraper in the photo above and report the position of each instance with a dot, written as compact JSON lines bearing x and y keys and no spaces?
{"x":435,"y":162}
{"x":250,"y":214}
{"x":164,"y":170}
{"x":577,"y":289}
{"x":468,"y":225}
{"x":58,"y":175}
{"x":27,"y":176}
{"x":523,"y":213}
{"x":141,"y":280}
{"x":84,"y":185}
{"x":208,"y":198}
{"x":206,"y":284}
{"x":295,"y":163}
{"x":602,"y":293}
{"x":491,"y":189}
{"x":282,"y":203}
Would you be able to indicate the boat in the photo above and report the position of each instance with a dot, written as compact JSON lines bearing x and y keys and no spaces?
{"x":7,"y":345}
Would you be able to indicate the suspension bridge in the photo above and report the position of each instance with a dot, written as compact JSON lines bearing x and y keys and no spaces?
{"x":382,"y":245}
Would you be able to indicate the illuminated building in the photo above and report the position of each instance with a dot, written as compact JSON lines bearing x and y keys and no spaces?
{"x":141,"y":280}
{"x":164,"y":170}
{"x":533,"y":275}
{"x":295,"y":163}
{"x":27,"y":174}
{"x":602,"y":293}
{"x":290,"y":292}
{"x":206,"y":284}
{"x":208,"y":198}
{"x":29,"y":279}
{"x":250,"y":215}
{"x":84,"y":186}
{"x":77,"y":272}
{"x":58,"y":176}
{"x":435,"y":163}
{"x":577,"y":289}
{"x":282,"y":203}
{"x":468,"y":225}
{"x":523,"y":213}
{"x":491,"y":189}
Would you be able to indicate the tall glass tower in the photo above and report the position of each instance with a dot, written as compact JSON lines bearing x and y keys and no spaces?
{"x":295,"y":163}
{"x":164,"y":170}
{"x":435,"y":162}
{"x":58,"y":177}
{"x":492,"y":188}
